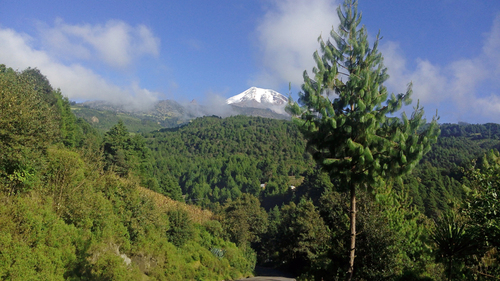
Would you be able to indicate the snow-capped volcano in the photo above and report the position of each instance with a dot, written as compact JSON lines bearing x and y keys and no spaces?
{"x":259,"y":95}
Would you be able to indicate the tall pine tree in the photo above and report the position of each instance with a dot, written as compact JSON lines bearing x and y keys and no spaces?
{"x":345,"y":114}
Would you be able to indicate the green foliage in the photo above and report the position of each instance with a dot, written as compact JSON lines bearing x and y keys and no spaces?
{"x":34,"y":117}
{"x":436,"y":183}
{"x":482,"y":199}
{"x":214,"y":159}
{"x":36,"y":244}
{"x":244,"y":220}
{"x":65,"y":171}
{"x":71,"y":134}
{"x":352,"y":136}
{"x":482,"y":214}
{"x":128,"y":154}
{"x":70,"y":219}
{"x":41,"y":84}
{"x":473,"y":131}
{"x":80,"y":216}
{"x":27,"y":127}
{"x":102,"y":228}
{"x":343,"y":117}
{"x":391,"y":236}
{"x":195,"y":156}
{"x":169,"y":186}
{"x":116,"y":146}
{"x":180,"y":228}
{"x":302,"y":237}
{"x":454,"y":242}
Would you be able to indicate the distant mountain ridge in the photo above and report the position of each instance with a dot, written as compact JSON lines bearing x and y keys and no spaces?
{"x":103,"y":115}
{"x":161,"y":108}
{"x":255,"y":101}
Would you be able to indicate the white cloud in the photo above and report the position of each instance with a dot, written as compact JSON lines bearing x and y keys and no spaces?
{"x":116,"y":43}
{"x":287,"y":38}
{"x":466,"y":88}
{"x":428,"y":82}
{"x":466,"y":75}
{"x":491,"y":47}
{"x":75,"y":81}
{"x":212,"y":104}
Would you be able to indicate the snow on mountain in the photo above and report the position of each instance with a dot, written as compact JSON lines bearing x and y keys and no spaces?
{"x":259,"y":95}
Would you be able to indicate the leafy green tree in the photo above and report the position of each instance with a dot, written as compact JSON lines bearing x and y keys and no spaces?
{"x":116,"y":145}
{"x":70,"y":133}
{"x":245,"y":220}
{"x":180,"y":227}
{"x":41,"y":84}
{"x":302,"y":236}
{"x":268,"y":249}
{"x":482,"y":201}
{"x":28,"y":125}
{"x":482,"y":214}
{"x":170,"y":187}
{"x":350,"y":132}
{"x":119,"y":148}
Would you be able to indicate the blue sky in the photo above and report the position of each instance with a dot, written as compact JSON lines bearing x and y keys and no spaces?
{"x":140,"y":51}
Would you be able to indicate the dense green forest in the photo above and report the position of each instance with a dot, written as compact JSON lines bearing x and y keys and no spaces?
{"x":437,"y":182}
{"x":342,"y":189}
{"x":214,"y":160}
{"x":72,"y":206}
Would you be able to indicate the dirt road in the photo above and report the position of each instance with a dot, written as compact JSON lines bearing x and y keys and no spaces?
{"x":269,"y":274}
{"x":268,"y":278}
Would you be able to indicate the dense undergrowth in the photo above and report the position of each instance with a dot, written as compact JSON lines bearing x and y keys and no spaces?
{"x":66,"y":214}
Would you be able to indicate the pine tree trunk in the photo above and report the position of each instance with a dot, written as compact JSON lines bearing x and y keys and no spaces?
{"x":353,"y":233}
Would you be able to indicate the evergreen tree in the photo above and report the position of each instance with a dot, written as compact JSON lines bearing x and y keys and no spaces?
{"x":116,"y":145}
{"x":71,"y":134}
{"x":349,"y":131}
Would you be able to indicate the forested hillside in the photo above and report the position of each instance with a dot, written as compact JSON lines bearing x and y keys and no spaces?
{"x":72,"y":206}
{"x":162,"y":114}
{"x":436,"y":183}
{"x":217,"y":159}
{"x":103,"y":120}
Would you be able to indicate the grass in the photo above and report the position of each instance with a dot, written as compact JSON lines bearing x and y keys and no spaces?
{"x":196,"y":214}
